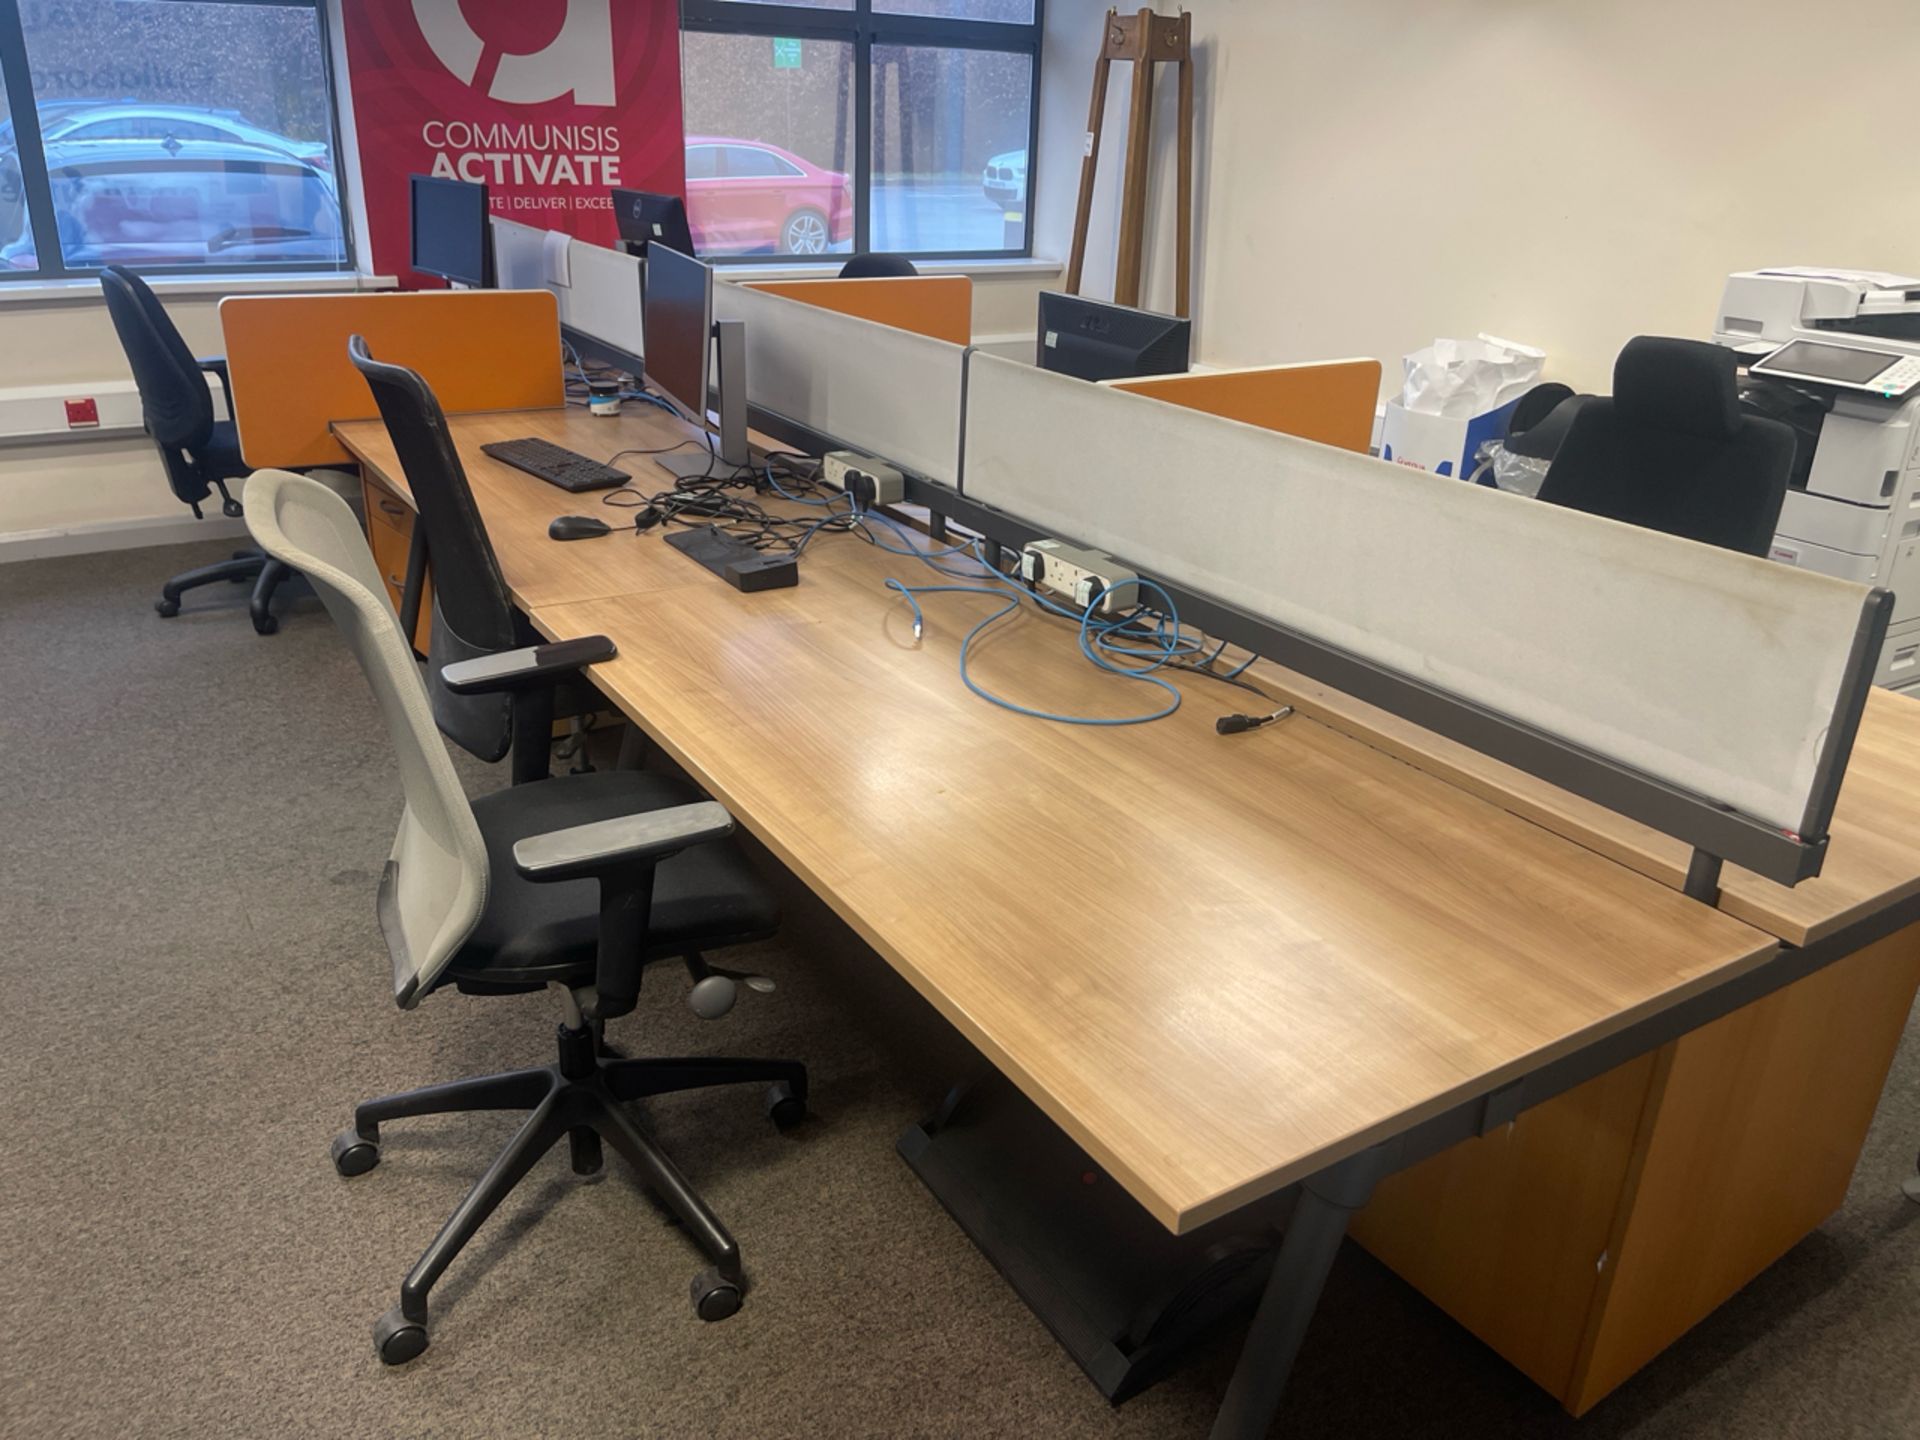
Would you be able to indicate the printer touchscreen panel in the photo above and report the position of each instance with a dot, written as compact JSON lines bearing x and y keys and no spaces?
{"x":1850,"y":366}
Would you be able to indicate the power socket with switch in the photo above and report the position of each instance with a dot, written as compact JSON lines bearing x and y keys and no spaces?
{"x":869,"y":481}
{"x":83,"y":414}
{"x":1080,"y":576}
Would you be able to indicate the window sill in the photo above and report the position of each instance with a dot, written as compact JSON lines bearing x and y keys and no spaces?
{"x":1013,"y":266}
{"x":44,"y":292}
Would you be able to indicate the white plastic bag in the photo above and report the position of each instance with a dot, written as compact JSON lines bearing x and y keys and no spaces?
{"x":1464,"y":378}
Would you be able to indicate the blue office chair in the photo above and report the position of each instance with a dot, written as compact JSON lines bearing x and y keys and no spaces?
{"x":200,"y":453}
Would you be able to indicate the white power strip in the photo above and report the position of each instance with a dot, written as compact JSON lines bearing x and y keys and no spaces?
{"x":1080,"y":576}
{"x":869,"y":481}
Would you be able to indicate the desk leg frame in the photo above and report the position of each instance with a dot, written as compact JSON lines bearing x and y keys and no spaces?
{"x":1312,"y":1239}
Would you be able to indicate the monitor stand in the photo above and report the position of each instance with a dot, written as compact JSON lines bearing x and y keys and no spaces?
{"x":695,"y":464}
{"x":731,"y":452}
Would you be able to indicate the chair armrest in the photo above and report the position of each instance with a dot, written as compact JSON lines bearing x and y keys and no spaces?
{"x":603,"y":846}
{"x":217,"y":365}
{"x":529,"y":668}
{"x":621,"y":854}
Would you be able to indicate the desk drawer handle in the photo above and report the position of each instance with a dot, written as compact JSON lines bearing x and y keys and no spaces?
{"x":393,"y":507}
{"x":396,"y":582}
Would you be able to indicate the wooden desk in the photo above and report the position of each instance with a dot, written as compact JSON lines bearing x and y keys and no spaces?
{"x":1230,"y":962}
{"x":1227,"y":964}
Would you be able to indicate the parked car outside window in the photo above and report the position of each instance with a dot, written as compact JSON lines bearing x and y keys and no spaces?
{"x":748,"y":197}
{"x":185,"y":202}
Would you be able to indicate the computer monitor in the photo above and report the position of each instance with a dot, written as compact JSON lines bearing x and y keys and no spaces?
{"x":680,"y":339}
{"x":1098,"y":341}
{"x":645,"y":219}
{"x":451,"y":234}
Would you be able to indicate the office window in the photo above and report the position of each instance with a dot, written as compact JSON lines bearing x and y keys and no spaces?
{"x":13,"y":190}
{"x":839,"y":125}
{"x":769,"y":157}
{"x":949,"y":131}
{"x":1012,"y":12}
{"x":190,"y":135}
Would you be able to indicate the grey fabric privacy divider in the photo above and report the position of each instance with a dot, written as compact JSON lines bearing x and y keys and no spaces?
{"x":602,"y":296}
{"x":1716,"y":672}
{"x":888,"y":393}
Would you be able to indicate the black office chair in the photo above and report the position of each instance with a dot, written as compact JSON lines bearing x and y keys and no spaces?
{"x":1672,"y":449}
{"x":473,"y":615}
{"x":877,"y":267}
{"x":200,"y":453}
{"x":578,"y":884}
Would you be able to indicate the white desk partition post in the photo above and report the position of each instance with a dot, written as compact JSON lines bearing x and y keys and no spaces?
{"x":888,"y":393}
{"x":598,"y":289}
{"x":519,"y":252}
{"x":603,"y":299}
{"x":1651,"y":665}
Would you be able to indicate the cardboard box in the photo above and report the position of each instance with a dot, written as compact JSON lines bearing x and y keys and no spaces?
{"x":1440,"y":443}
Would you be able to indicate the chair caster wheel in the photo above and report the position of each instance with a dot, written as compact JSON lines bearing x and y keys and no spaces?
{"x":166,"y":608}
{"x":784,"y":1108}
{"x":265,"y":625}
{"x":713,"y":996}
{"x":354,"y":1154}
{"x":714,"y":1297}
{"x":396,"y":1339}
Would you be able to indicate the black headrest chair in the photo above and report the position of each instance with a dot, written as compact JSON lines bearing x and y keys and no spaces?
{"x":1672,"y":450}
{"x":877,"y":267}
{"x":473,"y":613}
{"x":200,"y":453}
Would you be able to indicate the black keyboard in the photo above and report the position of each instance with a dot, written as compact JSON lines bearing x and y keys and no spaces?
{"x":556,"y":465}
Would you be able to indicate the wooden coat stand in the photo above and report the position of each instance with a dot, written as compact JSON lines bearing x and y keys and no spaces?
{"x":1146,"y":39}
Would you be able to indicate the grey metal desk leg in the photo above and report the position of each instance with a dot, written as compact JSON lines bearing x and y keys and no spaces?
{"x":1279,"y":1326}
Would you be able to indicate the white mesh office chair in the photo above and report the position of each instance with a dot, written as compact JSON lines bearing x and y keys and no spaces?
{"x":576,"y":882}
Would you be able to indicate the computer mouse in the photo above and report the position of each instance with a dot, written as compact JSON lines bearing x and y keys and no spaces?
{"x":577,"y":527}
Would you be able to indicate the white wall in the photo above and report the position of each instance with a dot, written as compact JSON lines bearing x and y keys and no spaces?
{"x":85,"y":482}
{"x":1375,"y":173}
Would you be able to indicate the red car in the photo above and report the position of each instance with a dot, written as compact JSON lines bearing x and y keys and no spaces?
{"x":746,"y":197}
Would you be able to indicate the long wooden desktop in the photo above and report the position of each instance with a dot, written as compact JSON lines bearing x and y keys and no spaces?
{"x":1306,"y":956}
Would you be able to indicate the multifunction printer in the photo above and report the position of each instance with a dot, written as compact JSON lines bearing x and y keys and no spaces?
{"x":1836,"y":355}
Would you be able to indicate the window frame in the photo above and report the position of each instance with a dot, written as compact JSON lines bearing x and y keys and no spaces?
{"x":864,"y":27}
{"x":17,"y":73}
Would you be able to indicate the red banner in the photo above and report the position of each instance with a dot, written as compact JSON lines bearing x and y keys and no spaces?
{"x":549,"y":103}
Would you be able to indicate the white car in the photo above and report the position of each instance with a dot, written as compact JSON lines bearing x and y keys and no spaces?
{"x":1005,"y":178}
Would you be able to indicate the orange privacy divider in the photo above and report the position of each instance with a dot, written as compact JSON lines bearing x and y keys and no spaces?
{"x":1331,"y":401}
{"x":287,"y":360}
{"x":937,"y":305}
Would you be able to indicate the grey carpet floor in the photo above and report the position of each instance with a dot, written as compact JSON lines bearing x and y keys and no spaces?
{"x":193,"y":994}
